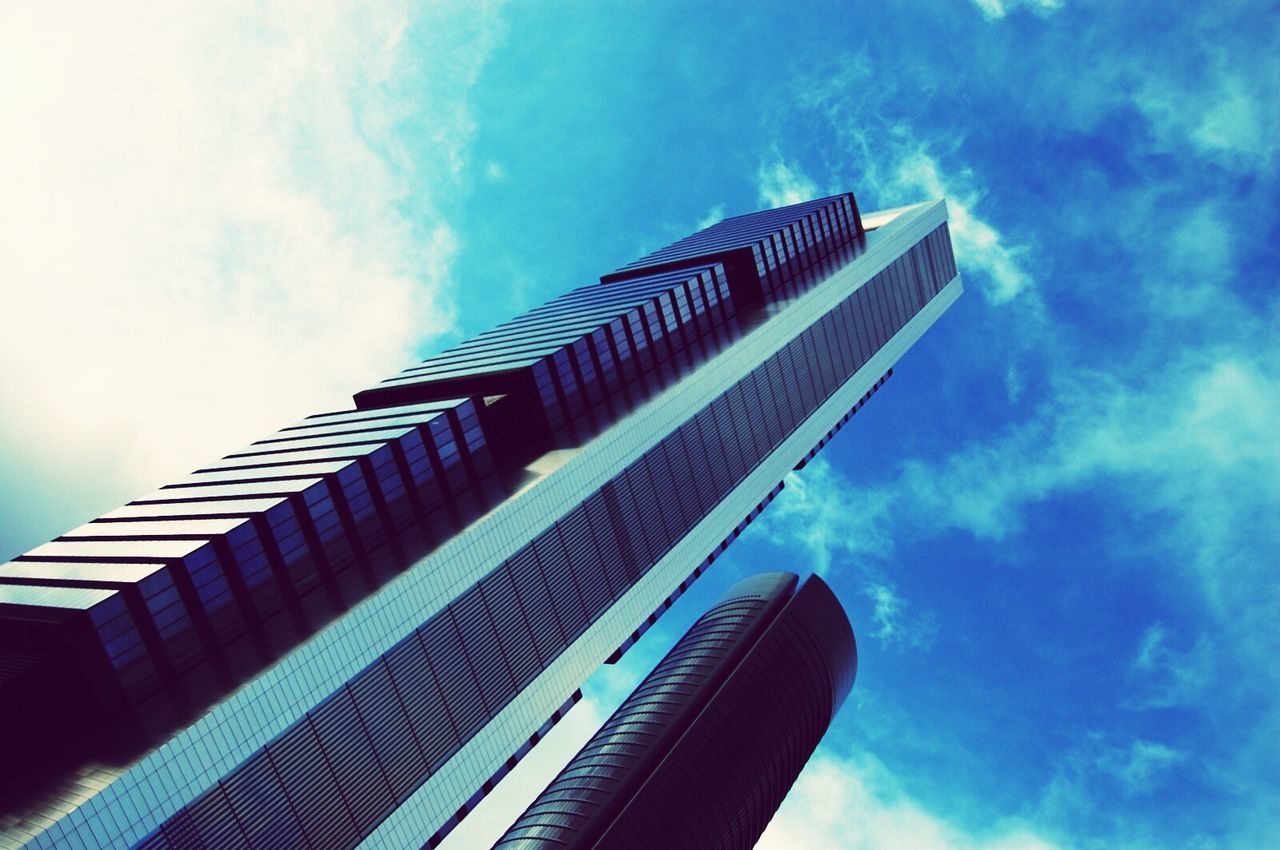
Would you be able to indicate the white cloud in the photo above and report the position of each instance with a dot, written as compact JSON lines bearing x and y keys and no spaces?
{"x":828,"y":517}
{"x":892,"y":625}
{"x":204,"y":230}
{"x":1014,"y":382}
{"x":889,"y":165}
{"x":1191,"y":442}
{"x":494,"y":172}
{"x":1205,"y":85}
{"x":1167,"y":676}
{"x":888,"y":609}
{"x":978,"y":244}
{"x":856,"y":803}
{"x":1098,"y":768}
{"x":1142,"y":766}
{"x":997,"y":9}
{"x":714,"y":216}
{"x":1163,"y":428}
{"x":1193,"y":446}
{"x":1170,"y":438}
{"x":1223,"y":110}
{"x":835,"y":523}
{"x":782,"y":183}
{"x":1183,"y":452}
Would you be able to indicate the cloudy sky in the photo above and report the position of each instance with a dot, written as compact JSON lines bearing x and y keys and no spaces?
{"x":1056,"y":527}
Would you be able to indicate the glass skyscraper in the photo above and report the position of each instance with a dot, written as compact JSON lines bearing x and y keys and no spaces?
{"x":702,"y":753}
{"x":351,"y":629}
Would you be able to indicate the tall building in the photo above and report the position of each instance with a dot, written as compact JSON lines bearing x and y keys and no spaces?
{"x":702,"y":753}
{"x":351,"y":629}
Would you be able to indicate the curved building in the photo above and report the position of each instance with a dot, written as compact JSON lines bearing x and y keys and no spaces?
{"x":704,"y":750}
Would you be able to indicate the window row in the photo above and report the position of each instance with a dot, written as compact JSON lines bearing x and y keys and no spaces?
{"x":586,"y":384}
{"x":784,"y":228}
{"x":580,"y":378}
{"x":730,"y":770}
{"x":237,"y":563}
{"x":580,"y":310}
{"x":661,"y":706}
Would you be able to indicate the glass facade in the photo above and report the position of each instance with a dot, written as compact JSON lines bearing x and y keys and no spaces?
{"x":416,"y":586}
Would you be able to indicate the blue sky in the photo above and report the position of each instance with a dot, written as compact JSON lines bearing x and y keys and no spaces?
{"x":1055,"y":528}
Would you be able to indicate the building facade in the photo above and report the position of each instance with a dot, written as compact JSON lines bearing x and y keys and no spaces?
{"x":351,"y":629}
{"x":704,"y":750}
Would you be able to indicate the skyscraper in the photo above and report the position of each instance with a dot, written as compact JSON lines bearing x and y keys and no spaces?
{"x":702,"y":753}
{"x":352,"y":628}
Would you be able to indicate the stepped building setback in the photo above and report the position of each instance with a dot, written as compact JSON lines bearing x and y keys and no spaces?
{"x":350,"y":630}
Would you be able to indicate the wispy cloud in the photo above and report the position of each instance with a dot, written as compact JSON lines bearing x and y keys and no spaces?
{"x":714,"y":216}
{"x":1218,"y":103}
{"x":892,"y":624}
{"x":205,"y":228}
{"x":1194,"y":444}
{"x":1165,"y":675}
{"x":895,"y":167}
{"x":994,"y":10}
{"x":979,"y":245}
{"x":1184,"y":452}
{"x":1207,"y":99}
{"x":828,"y":517}
{"x":1141,"y":767}
{"x":857,"y":803}
{"x":1100,"y":768}
{"x":821,"y":514}
{"x":1133,"y":329}
{"x":781,"y":183}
